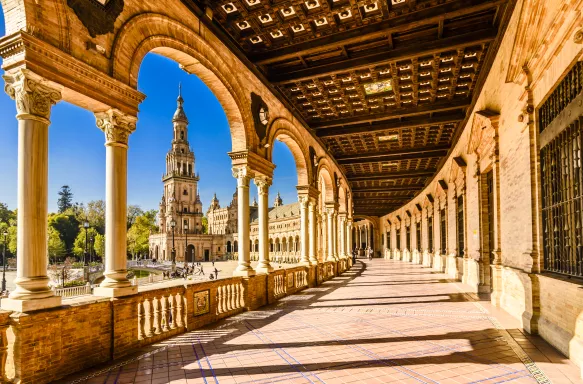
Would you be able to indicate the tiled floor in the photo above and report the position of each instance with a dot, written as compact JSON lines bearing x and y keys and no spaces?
{"x":381,"y":322}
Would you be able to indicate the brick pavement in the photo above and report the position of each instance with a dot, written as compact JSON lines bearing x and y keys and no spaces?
{"x":383,"y":321}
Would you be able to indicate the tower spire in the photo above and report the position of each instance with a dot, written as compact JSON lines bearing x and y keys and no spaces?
{"x":179,"y":115}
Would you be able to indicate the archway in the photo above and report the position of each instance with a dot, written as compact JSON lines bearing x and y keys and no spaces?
{"x":229,"y":250}
{"x":190,"y":253}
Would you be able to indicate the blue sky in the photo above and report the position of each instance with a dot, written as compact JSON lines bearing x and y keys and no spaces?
{"x":77,"y":153}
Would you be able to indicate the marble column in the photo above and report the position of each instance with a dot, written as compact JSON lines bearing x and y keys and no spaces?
{"x":335,"y":234}
{"x":243,"y":175}
{"x":117,"y":127}
{"x":312,"y":232}
{"x":34,"y":98}
{"x":304,"y":235}
{"x":349,"y":236}
{"x":263,"y":184}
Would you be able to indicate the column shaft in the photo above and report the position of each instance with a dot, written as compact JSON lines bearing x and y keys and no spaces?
{"x":330,"y":239}
{"x":243,"y":177}
{"x":304,"y":230}
{"x":313,"y":232}
{"x":34,"y":100}
{"x":264,"y":265}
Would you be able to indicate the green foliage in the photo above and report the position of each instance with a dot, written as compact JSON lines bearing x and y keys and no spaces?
{"x":133,"y":212}
{"x":56,"y":246}
{"x":66,"y":199}
{"x":6,"y":215}
{"x":99,"y":246}
{"x":139,"y":234}
{"x":67,"y":225}
{"x":205,"y":225}
{"x":94,"y":213}
{"x":79,"y":246}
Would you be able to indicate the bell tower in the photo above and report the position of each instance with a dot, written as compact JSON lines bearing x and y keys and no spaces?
{"x":181,"y":197}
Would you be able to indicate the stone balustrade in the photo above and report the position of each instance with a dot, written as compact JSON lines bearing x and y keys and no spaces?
{"x":74,"y":291}
{"x":46,"y":345}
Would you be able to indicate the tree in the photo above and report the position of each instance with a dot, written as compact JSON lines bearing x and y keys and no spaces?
{"x":205,"y":225}
{"x":56,"y":246}
{"x":61,"y":273}
{"x":79,"y":246}
{"x":133,"y":212}
{"x":138,"y":236}
{"x":6,"y":215}
{"x":5,"y":227}
{"x":99,"y":246}
{"x":66,"y":199}
{"x":67,"y":225}
{"x":95,"y":215}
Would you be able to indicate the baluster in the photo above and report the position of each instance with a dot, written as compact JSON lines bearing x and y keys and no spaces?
{"x":240,"y":298}
{"x":164,"y":313}
{"x":228,"y":297}
{"x":224,"y":298}
{"x":234,"y":296}
{"x":149,"y":317}
{"x":180,"y":311}
{"x":172,"y":300}
{"x":3,"y":353}
{"x":141,"y":320}
{"x":157,"y":326}
{"x":218,"y":301}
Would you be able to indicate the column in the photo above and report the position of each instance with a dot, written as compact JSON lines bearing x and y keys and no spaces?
{"x":117,"y":127}
{"x":34,"y":99}
{"x":324,"y":232}
{"x":304,"y":253}
{"x":349,"y":236}
{"x":243,"y":175}
{"x":330,"y":234}
{"x":263,"y":184}
{"x":335,"y":233}
{"x":312,"y":231}
{"x":342,"y":235}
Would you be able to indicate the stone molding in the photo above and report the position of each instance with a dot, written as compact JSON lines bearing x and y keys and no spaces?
{"x":117,"y":126}
{"x":33,"y":95}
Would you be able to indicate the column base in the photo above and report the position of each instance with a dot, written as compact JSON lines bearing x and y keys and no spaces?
{"x":262,"y":270}
{"x":30,"y":305}
{"x":245,"y":273}
{"x":115,"y":292}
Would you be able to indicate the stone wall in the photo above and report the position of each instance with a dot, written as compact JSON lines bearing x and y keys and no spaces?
{"x":501,"y":137}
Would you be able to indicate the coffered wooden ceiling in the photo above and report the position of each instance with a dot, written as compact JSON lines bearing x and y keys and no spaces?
{"x":385,"y":84}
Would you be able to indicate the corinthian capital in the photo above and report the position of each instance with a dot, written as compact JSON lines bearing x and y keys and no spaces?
{"x":263,"y":183}
{"x":116,"y":125}
{"x":34,"y":96}
{"x":243,"y":175}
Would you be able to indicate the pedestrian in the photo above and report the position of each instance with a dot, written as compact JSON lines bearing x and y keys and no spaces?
{"x":370,"y":251}
{"x":216,"y":273}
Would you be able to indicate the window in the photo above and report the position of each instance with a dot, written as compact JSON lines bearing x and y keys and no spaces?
{"x":185,"y":209}
{"x":389,"y":240}
{"x":460,"y":226}
{"x":409,"y":238}
{"x":185,"y":192}
{"x":443,"y":232}
{"x":181,"y":135}
{"x":430,"y":233}
{"x":562,"y":177}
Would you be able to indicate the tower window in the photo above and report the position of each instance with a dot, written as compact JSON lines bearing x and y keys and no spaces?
{"x":185,"y":209}
{"x":185,"y":192}
{"x":181,"y":135}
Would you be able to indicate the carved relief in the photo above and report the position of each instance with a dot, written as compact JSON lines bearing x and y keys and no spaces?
{"x":116,"y":125}
{"x":32,"y":94}
{"x":99,"y":19}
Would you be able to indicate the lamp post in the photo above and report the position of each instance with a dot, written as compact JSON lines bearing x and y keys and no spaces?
{"x":91,"y":249}
{"x":186,"y":241}
{"x":4,"y":262}
{"x":86,"y":226}
{"x":173,"y":252}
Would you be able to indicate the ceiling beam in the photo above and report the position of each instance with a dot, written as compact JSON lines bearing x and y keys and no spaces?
{"x":389,"y":188}
{"x":380,"y":126}
{"x":413,"y":50}
{"x":429,"y":16}
{"x":439,"y":106}
{"x":393,"y":175}
{"x":404,"y":154}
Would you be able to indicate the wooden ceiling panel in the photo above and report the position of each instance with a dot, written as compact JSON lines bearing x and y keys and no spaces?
{"x":387,"y":87}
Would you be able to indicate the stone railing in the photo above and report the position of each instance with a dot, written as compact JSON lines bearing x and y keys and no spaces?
{"x":74,"y":291}
{"x":123,"y":325}
{"x":151,"y":278}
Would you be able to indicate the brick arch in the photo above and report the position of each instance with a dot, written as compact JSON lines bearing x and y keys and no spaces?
{"x":157,"y":33}
{"x":284,"y":131}
{"x":342,"y":199}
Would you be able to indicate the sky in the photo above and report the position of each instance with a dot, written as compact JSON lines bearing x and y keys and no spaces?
{"x":77,"y":152}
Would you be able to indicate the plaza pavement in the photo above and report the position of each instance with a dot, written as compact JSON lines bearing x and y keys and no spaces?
{"x":383,"y":321}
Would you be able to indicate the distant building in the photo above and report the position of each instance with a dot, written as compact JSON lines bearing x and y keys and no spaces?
{"x":182,"y":206}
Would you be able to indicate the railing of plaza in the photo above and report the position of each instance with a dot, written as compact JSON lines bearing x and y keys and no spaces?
{"x":160,"y":312}
{"x":152,"y":278}
{"x":74,"y":291}
{"x":229,"y":297}
{"x":278,"y":283}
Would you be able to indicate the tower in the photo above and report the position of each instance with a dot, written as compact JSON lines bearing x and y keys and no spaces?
{"x":278,"y":200}
{"x":181,"y":198}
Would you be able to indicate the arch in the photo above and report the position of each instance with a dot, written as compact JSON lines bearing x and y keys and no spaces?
{"x":190,"y":253}
{"x":284,"y":131}
{"x":236,"y":246}
{"x":229,"y":247}
{"x":151,"y":32}
{"x":326,"y":181}
{"x":342,"y":199}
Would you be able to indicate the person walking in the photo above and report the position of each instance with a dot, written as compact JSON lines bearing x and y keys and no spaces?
{"x":370,"y":251}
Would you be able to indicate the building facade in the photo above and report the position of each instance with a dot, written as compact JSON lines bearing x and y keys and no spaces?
{"x":180,"y":213}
